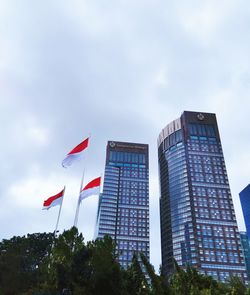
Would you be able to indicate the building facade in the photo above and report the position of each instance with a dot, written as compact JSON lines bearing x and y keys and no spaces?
{"x":123,"y":209}
{"x":198,"y":223}
{"x":245,"y":204}
{"x":246,"y":250}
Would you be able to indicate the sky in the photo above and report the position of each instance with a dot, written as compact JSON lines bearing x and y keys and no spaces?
{"x":118,"y":70}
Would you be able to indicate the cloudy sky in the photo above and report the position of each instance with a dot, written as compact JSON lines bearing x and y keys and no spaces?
{"x":120,"y":70}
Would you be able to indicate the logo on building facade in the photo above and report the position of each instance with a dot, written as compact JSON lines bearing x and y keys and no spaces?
{"x":200,"y":117}
{"x":112,"y":144}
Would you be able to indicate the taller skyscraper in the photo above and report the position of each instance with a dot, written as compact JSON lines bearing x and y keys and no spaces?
{"x":198,"y":224}
{"x":123,"y":210}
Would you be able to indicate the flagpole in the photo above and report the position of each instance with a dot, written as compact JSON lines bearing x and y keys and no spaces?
{"x":79,"y":201}
{"x":79,"y":198}
{"x":58,"y":217}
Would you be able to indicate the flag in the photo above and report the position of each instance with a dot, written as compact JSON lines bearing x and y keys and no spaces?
{"x":75,"y":153}
{"x":92,"y":188}
{"x":54,"y":200}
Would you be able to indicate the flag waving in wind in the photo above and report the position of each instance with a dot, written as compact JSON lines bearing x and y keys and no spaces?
{"x":92,"y":188}
{"x":75,"y":153}
{"x":54,"y":200}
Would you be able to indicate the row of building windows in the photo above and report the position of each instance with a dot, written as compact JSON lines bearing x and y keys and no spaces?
{"x":133,"y":246}
{"x":134,"y":201}
{"x":120,"y":165}
{"x":130,"y":172}
{"x":127,"y":157}
{"x":211,"y":203}
{"x":207,"y":168}
{"x":126,"y":255}
{"x":218,"y":253}
{"x":133,"y":233}
{"x":210,"y":192}
{"x":205,"y":159}
{"x":133,"y":184}
{"x":209,"y":178}
{"x":133,"y":227}
{"x":213,"y":214}
{"x":202,"y":139}
{"x":201,"y":129}
{"x":134,"y":191}
{"x":226,"y":267}
{"x":216,"y":228}
{"x":133,"y":212}
{"x":209,"y":243}
{"x":204,"y":148}
{"x":132,"y":222}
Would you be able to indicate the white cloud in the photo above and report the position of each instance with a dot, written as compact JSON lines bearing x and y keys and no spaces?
{"x":161,"y":78}
{"x":38,"y":135}
{"x":205,"y":19}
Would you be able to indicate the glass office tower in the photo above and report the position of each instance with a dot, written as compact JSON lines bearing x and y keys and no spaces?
{"x":198,"y":224}
{"x":245,"y":236}
{"x":245,"y":204}
{"x":123,"y":210}
{"x":246,"y":250}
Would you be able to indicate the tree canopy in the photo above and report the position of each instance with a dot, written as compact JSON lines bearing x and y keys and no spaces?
{"x":43,"y":264}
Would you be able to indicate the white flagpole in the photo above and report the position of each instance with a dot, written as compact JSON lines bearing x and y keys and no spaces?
{"x":97,"y":215}
{"x":57,"y":222}
{"x":79,"y":201}
{"x":79,"y":198}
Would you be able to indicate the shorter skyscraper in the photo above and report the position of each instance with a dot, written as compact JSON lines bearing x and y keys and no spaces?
{"x":245,"y":204}
{"x":123,"y":210}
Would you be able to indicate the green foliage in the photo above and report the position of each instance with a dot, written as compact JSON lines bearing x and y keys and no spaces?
{"x":21,"y":262}
{"x":136,"y":282}
{"x":159,"y":285}
{"x":106,"y":275}
{"x":63,"y":252}
{"x":236,"y":286}
{"x":42,"y":264}
{"x":190,"y":282}
{"x":83,"y":269}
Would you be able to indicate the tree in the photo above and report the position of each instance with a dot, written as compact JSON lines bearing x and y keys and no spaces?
{"x":21,"y":261}
{"x":62,"y":258}
{"x":136,"y":282}
{"x":159,"y":285}
{"x":236,"y":286}
{"x":44,"y":264}
{"x":83,"y":269}
{"x":107,"y":275}
{"x":191,"y":282}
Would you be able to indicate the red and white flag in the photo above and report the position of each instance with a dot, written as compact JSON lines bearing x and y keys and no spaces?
{"x":76,"y":153}
{"x":92,"y":188}
{"x":54,"y":200}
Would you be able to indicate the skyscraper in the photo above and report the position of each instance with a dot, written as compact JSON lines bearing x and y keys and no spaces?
{"x":245,"y":236}
{"x":198,"y":224}
{"x":246,"y":250}
{"x":245,"y":204}
{"x":123,"y":209}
